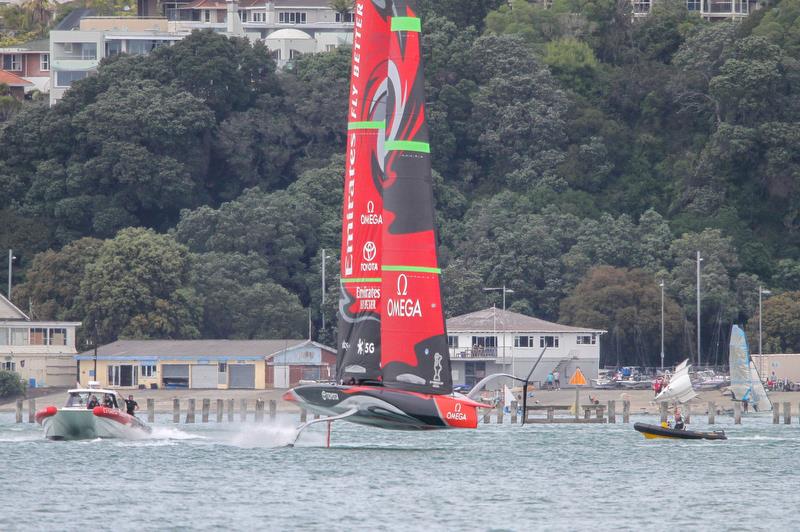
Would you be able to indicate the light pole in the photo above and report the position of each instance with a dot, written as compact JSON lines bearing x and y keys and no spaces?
{"x":760,"y":352}
{"x":699,"y":356}
{"x":661,"y":284}
{"x":322,"y":304}
{"x":11,"y":258}
{"x":505,"y":291}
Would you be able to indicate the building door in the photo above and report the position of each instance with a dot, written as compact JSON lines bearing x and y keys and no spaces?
{"x":242,"y":376}
{"x":123,"y":375}
{"x":175,"y":375}
{"x":204,"y":376}
{"x":281,"y":376}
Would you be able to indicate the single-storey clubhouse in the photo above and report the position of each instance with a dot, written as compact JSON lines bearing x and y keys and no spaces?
{"x":206,"y":364}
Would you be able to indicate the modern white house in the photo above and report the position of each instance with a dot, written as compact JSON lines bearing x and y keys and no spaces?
{"x":41,"y":352}
{"x":289,"y":29}
{"x":499,"y":341}
{"x":707,"y":9}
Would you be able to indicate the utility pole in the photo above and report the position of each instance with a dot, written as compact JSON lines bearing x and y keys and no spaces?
{"x":11,"y":258}
{"x":760,"y":352}
{"x":699,"y":356}
{"x":322,"y":304}
{"x":662,"y":324}
{"x":509,"y":291}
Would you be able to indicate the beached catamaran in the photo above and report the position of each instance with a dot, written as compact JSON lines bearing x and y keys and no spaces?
{"x":746,"y":384}
{"x":393,"y":364}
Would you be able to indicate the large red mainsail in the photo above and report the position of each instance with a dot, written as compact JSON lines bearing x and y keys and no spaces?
{"x":414,"y":352}
{"x":359,"y":345}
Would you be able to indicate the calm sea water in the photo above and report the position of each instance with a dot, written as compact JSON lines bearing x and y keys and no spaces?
{"x":537,"y":477}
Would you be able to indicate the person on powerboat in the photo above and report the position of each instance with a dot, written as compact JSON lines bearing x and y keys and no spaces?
{"x":679,"y":425}
{"x":93,"y":402}
{"x":108,"y":402}
{"x":131,"y":405}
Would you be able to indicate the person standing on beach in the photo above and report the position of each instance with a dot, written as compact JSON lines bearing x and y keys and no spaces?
{"x":549,"y":380}
{"x":557,"y":379}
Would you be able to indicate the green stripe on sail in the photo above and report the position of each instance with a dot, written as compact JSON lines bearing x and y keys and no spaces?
{"x":362,"y":280}
{"x":406,"y":24}
{"x":374,"y":124}
{"x":423,"y":269}
{"x":408,"y":145}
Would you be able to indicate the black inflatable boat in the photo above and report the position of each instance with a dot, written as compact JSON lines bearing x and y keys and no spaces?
{"x":657,"y":431}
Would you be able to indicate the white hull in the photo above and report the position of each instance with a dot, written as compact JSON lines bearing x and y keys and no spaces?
{"x":82,"y":424}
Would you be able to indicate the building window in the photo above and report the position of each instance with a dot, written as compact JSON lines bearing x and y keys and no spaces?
{"x":65,"y":78}
{"x":148,"y":370}
{"x":586,"y":339}
{"x":58,"y":336}
{"x":207,"y":15}
{"x":295,"y":54}
{"x":344,"y":17}
{"x":474,"y":372}
{"x":292,"y":17}
{"x":523,"y":341}
{"x":276,"y":54}
{"x":222,"y":367}
{"x":3,"y":336}
{"x":113,"y":48}
{"x":548,"y":341}
{"x":44,"y":62}
{"x":641,"y":7}
{"x":259,"y":16}
{"x":8,"y":366}
{"x":452,"y":341}
{"x":12,"y":62}
{"x":330,"y":47}
{"x":19,"y":337}
{"x":243,"y":15}
{"x":693,"y":5}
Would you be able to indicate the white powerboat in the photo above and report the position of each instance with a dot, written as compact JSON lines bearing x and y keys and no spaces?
{"x":91,"y":413}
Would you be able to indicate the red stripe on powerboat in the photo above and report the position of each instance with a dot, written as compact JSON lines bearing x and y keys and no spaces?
{"x":110,"y":413}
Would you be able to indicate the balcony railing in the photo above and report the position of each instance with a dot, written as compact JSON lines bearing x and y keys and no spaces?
{"x":473,"y":352}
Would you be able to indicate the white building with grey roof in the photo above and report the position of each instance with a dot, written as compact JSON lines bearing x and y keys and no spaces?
{"x":500,"y":341}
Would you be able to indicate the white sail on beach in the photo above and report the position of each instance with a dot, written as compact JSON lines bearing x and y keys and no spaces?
{"x":679,"y":388}
{"x":745,"y":382}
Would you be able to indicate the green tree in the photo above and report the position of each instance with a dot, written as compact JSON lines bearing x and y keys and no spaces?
{"x":781,"y":323}
{"x":52,"y":283}
{"x":627,"y":304}
{"x":573,"y":63}
{"x":11,"y":384}
{"x":139,"y":287}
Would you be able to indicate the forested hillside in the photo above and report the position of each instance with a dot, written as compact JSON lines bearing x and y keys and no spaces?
{"x":580,"y":157}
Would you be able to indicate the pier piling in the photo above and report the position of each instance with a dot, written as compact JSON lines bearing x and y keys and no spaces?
{"x":220,"y":410}
{"x":787,"y":413}
{"x":513,"y":412}
{"x":776,"y":413}
{"x":499,"y":410}
{"x":190,"y":412}
{"x":206,"y":409}
{"x":626,"y":411}
{"x":19,"y":410}
{"x":151,"y":410}
{"x":273,"y":407}
{"x":243,"y":410}
{"x":303,"y":415}
{"x":176,"y":410}
{"x":687,"y":415}
{"x":663,"y":407}
{"x":612,"y":411}
{"x":31,"y":410}
{"x":259,"y":410}
{"x":737,"y":413}
{"x":551,"y":414}
{"x":230,"y":410}
{"x":487,"y":416}
{"x":712,"y":409}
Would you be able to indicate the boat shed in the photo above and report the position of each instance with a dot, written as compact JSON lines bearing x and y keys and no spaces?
{"x":500,"y":341}
{"x":206,"y":364}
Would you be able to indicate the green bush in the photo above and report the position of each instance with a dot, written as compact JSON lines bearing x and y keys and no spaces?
{"x":10,"y":384}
